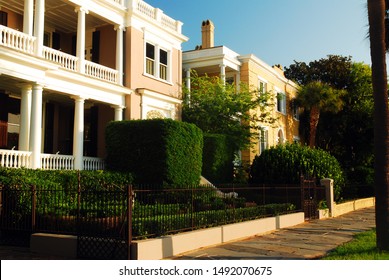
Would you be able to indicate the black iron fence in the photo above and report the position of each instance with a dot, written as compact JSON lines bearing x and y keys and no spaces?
{"x":106,"y":219}
{"x":160,"y":212}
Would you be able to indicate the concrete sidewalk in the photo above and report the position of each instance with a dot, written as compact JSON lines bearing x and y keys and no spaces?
{"x":310,"y":240}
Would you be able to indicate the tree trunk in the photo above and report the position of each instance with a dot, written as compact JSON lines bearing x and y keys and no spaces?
{"x":314,"y":116}
{"x":376,"y":14}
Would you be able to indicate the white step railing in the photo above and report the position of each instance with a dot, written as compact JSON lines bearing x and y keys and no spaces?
{"x":57,"y":162}
{"x":66,"y":61}
{"x":14,"y":159}
{"x":101,"y":72}
{"x":16,"y":40}
{"x":93,"y":163}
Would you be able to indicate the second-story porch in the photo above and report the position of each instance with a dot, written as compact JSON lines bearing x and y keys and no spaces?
{"x":60,"y":82}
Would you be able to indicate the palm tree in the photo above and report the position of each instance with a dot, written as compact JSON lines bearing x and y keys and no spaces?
{"x":376,"y":13}
{"x":317,"y":97}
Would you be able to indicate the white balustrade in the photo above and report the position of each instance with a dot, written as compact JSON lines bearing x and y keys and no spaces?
{"x":57,"y":162}
{"x":66,"y":61}
{"x":101,"y":72}
{"x":156,"y":14}
{"x":168,"y":22}
{"x":92,"y":163}
{"x":120,"y":2}
{"x":146,"y":9}
{"x":16,"y":40}
{"x":14,"y":159}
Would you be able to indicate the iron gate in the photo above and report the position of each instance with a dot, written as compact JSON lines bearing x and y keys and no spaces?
{"x":311,"y":194}
{"x":107,"y":236}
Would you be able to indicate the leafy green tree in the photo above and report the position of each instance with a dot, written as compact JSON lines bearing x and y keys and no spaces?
{"x":346,"y":134}
{"x":317,"y":97}
{"x":216,"y":107}
{"x":333,"y":70}
{"x":377,"y":30}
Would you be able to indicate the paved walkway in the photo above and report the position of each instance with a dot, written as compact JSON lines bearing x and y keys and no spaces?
{"x":310,"y":240}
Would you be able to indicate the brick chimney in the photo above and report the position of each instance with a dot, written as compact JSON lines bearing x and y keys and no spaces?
{"x":208,"y":34}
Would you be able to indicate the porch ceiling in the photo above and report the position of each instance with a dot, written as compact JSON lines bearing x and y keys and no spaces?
{"x":59,"y":14}
{"x":13,"y":87}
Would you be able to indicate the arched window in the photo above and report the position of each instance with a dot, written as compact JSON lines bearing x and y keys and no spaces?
{"x":280,"y":137}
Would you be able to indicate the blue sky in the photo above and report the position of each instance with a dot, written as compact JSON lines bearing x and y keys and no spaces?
{"x":277,"y":31}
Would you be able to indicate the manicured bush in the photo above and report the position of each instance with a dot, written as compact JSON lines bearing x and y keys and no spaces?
{"x":57,"y":190}
{"x":284,"y":164}
{"x":218,"y":156}
{"x":163,"y":153}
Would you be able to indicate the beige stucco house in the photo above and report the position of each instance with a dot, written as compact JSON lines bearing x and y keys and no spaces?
{"x":68,"y":67}
{"x":235,"y":68}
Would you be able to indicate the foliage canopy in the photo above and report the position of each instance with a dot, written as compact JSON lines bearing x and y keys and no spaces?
{"x":220,"y":108}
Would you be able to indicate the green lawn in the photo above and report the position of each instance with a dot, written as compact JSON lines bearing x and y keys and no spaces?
{"x":362,"y":247}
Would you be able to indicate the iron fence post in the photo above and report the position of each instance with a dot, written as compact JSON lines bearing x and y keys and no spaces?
{"x":130,"y":197}
{"x":78,"y":203}
{"x":33,"y":208}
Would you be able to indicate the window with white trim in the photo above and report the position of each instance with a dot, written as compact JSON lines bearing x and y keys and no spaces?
{"x":281,"y":102}
{"x":263,"y":139}
{"x":157,"y":62}
{"x":150,"y":59}
{"x":295,"y":111}
{"x":262,"y":86}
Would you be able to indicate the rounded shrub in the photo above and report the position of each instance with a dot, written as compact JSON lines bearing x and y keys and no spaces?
{"x":284,"y":164}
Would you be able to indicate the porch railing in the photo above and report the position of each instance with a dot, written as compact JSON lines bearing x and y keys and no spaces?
{"x":14,"y":159}
{"x":92,"y":163}
{"x":18,"y":159}
{"x":20,"y":41}
{"x":66,"y":61}
{"x":16,"y":40}
{"x":101,"y":72}
{"x":56,"y":162}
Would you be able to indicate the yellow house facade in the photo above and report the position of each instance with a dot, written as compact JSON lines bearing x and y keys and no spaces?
{"x":235,"y":68}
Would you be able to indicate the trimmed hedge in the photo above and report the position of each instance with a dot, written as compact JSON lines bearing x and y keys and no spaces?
{"x":283,"y":164}
{"x":158,"y":152}
{"x":159,"y":225}
{"x":218,"y":156}
{"x":62,"y":179}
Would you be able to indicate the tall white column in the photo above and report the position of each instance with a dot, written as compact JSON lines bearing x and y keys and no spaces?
{"x":118,"y":113}
{"x":25,"y":118}
{"x":78,"y":133}
{"x":28,"y":18}
{"x":81,"y":38}
{"x":36,"y":126}
{"x":187,"y":84}
{"x":187,"y":78}
{"x":39,"y":26}
{"x":119,"y":52}
{"x":223,"y":73}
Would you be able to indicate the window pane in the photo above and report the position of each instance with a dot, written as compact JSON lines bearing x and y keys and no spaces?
{"x":163,"y":57}
{"x":150,"y":51}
